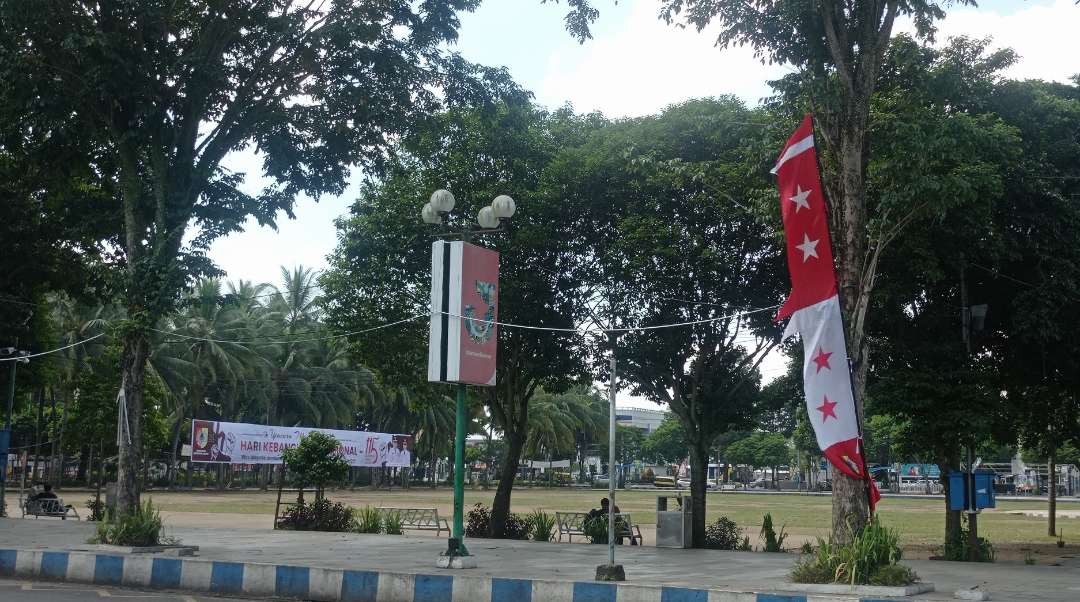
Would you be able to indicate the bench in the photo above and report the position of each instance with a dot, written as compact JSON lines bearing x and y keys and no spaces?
{"x":421,"y":519}
{"x":573,"y":523}
{"x":49,"y":508}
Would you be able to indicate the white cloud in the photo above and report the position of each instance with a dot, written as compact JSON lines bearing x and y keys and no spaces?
{"x":1044,"y":35}
{"x":647,"y":65}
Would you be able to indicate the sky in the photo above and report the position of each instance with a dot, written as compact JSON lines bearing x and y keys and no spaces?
{"x":635,"y":65}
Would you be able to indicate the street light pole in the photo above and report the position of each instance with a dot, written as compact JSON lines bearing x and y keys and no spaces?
{"x":611,"y":571}
{"x":7,"y":430}
{"x":491,"y":219}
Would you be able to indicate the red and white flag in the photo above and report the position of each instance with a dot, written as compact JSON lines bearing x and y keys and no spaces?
{"x":814,"y":307}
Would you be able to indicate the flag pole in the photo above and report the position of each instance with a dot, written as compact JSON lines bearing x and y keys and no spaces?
{"x":843,"y":322}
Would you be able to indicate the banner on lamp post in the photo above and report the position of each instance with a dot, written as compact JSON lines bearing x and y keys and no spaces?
{"x":464,"y":312}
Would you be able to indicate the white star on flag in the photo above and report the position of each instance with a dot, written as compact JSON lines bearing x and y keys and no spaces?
{"x":808,"y":248}
{"x":800,"y":199}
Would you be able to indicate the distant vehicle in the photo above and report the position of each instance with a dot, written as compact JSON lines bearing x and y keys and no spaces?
{"x":824,"y":485}
{"x":685,"y":484}
{"x":759,"y":483}
{"x":664,"y":482}
{"x":600,"y":480}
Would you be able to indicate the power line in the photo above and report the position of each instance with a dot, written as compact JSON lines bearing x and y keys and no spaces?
{"x":264,"y":342}
{"x":33,"y":355}
{"x":605,"y":330}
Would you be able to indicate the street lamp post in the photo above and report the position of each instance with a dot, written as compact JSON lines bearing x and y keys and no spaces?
{"x":491,"y":219}
{"x":5,"y":435}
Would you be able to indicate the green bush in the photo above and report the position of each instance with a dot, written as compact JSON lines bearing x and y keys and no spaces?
{"x":478,"y":521}
{"x":516,"y":527}
{"x":315,"y":461}
{"x":392,"y":524}
{"x":774,"y":542}
{"x":321,"y":515}
{"x":368,"y":520}
{"x":596,"y":529}
{"x":143,"y":527}
{"x":96,"y":508}
{"x":956,"y":548}
{"x":870,"y":559}
{"x":723,"y":534}
{"x":542,"y":525}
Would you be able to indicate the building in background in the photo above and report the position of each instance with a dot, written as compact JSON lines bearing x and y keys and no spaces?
{"x":646,"y":420}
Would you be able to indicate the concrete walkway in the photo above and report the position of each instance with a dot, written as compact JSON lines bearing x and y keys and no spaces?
{"x":704,"y":569}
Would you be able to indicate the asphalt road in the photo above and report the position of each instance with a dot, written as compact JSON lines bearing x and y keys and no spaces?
{"x":36,"y":591}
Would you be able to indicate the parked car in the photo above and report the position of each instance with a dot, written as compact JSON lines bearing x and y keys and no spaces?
{"x":664,"y":482}
{"x":685,"y":484}
{"x":759,"y":483}
{"x":600,"y":480}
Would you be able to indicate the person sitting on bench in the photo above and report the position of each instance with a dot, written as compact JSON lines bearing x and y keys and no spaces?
{"x":47,"y":494}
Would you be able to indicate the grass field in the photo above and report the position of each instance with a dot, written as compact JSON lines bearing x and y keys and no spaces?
{"x":920,"y":522}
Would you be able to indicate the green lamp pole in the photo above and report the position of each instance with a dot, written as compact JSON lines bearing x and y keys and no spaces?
{"x":492,"y":219}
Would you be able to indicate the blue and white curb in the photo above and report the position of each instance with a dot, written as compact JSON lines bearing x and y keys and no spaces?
{"x":339,"y":585}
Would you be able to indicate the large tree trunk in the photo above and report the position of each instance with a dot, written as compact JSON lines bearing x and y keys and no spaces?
{"x":500,"y":508}
{"x":953,"y":518}
{"x":850,"y":506}
{"x":133,"y":366}
{"x":1051,"y":494}
{"x":699,"y":468}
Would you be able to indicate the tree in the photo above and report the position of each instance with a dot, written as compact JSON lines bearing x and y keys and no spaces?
{"x":675,"y":244}
{"x":315,"y":461}
{"x":167,"y":89}
{"x":667,"y":444}
{"x":760,"y":450}
{"x":838,"y":49}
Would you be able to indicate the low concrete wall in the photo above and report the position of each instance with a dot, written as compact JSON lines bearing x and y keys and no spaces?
{"x":337,"y":585}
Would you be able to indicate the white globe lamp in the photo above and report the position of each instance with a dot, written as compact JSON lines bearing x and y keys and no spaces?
{"x":429,"y":214}
{"x":503,"y":206}
{"x":442,"y":201}
{"x":487,"y":219}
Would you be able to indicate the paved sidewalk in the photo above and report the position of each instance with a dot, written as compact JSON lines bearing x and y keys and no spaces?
{"x":704,"y":569}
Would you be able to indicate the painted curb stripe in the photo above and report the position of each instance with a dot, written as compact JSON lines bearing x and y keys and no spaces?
{"x":511,"y":590}
{"x":433,"y":588}
{"x":292,"y":581}
{"x":680,"y":594}
{"x":109,"y":570}
{"x":165,"y":573}
{"x":7,"y":562}
{"x":54,"y":565}
{"x":227,"y":578}
{"x":356,"y":586}
{"x":359,"y":586}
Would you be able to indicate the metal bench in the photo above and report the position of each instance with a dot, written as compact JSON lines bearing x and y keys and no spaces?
{"x":573,"y":523}
{"x":49,"y":508}
{"x":421,"y":519}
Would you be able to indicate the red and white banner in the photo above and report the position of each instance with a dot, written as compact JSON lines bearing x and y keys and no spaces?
{"x":464,"y":302}
{"x":241,"y":443}
{"x":814,"y":307}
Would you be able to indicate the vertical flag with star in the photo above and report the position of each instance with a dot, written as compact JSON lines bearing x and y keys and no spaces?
{"x":814,"y":307}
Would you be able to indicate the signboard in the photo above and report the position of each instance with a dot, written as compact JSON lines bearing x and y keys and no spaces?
{"x":464,"y":302}
{"x":5,"y":439}
{"x":239,"y":443}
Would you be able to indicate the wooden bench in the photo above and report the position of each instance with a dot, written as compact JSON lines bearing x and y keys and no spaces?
{"x":421,"y":519}
{"x":573,"y":523}
{"x":49,"y":508}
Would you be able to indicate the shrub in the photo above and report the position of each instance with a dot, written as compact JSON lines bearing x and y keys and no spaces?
{"x":596,"y":529}
{"x":774,"y":542}
{"x":97,"y":509}
{"x":478,"y":521}
{"x":516,"y":527}
{"x":647,"y":475}
{"x":543,"y":525}
{"x":870,"y":559}
{"x":392,"y":524}
{"x":956,"y":548}
{"x":368,"y":520}
{"x":723,"y":534}
{"x":143,"y":527}
{"x":321,"y":515}
{"x":315,"y":461}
